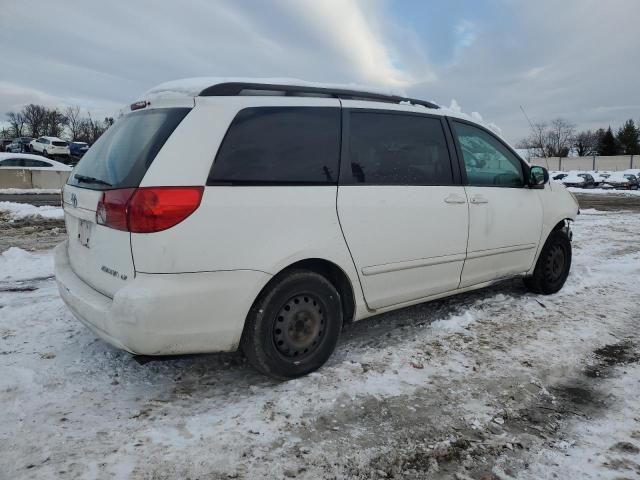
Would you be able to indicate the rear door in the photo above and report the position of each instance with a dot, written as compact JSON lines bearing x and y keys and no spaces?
{"x":119,"y":159}
{"x":505,"y":216}
{"x":401,"y":206}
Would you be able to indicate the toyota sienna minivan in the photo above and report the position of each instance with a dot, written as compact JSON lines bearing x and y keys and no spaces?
{"x":217,"y":215}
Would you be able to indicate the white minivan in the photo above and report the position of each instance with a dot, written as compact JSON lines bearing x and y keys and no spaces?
{"x":218,"y":215}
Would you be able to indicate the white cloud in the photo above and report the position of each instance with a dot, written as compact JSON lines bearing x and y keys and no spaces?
{"x":576,"y":58}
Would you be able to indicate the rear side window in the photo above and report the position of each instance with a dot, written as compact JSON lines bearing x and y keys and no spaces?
{"x":13,"y":162}
{"x":280,"y":145}
{"x":397,"y":149}
{"x":124,"y":153}
{"x":36,"y":163}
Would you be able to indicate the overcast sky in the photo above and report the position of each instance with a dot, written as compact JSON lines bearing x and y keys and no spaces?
{"x":577,"y":59}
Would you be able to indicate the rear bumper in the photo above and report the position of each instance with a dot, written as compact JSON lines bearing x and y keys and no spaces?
{"x":164,"y":314}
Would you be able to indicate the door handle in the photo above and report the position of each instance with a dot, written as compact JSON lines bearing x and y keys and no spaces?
{"x":455,"y":199}
{"x":479,"y":199}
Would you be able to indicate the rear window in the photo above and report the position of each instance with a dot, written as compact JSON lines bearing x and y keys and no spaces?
{"x":280,"y":146}
{"x":124,"y":153}
{"x":59,"y":144}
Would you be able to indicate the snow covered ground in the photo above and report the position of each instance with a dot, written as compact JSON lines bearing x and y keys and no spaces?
{"x":497,"y":383}
{"x":604,"y":191}
{"x":29,"y":191}
{"x":23,"y":210}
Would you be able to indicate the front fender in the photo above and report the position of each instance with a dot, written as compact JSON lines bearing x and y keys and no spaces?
{"x":558,"y":205}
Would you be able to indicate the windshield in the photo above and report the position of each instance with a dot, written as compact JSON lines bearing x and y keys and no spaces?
{"x":124,"y":153}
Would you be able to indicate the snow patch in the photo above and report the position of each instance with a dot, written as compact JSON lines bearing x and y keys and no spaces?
{"x":18,"y":264}
{"x":23,"y":210}
{"x":604,"y":191}
{"x":193,"y":86}
{"x":29,"y":191}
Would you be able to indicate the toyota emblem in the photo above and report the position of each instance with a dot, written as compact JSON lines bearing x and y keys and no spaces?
{"x":74,"y":200}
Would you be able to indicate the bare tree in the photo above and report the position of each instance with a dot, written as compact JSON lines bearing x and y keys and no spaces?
{"x":560,"y":137}
{"x":551,"y":140}
{"x":16,"y":124}
{"x":537,"y":140}
{"x":74,"y":120}
{"x":54,"y":123}
{"x":35,"y":118}
{"x":586,"y":143}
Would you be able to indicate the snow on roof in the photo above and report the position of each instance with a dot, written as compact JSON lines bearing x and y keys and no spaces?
{"x":193,"y":86}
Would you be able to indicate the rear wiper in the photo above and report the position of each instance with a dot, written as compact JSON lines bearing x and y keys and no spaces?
{"x":87,"y":179}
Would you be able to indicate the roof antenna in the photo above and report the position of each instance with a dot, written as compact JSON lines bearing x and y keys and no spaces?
{"x":526,"y":116}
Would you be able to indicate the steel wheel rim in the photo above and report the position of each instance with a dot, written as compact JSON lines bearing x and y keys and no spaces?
{"x":555,"y":262}
{"x":299,"y":327}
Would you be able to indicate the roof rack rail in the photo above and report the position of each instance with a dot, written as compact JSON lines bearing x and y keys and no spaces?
{"x":231,"y":89}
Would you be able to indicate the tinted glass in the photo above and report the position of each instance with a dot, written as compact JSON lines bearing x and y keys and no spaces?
{"x":59,"y":144}
{"x":487,"y":161}
{"x":124,"y":153}
{"x":12,"y":162}
{"x":393,"y":149}
{"x":280,"y":145}
{"x":36,"y":163}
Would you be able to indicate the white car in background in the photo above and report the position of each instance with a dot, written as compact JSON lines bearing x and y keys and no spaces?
{"x":292,"y":215}
{"x":30,"y":162}
{"x":50,"y":146}
{"x":573,"y":179}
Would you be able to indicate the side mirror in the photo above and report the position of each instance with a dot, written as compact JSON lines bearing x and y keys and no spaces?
{"x":538,"y":177}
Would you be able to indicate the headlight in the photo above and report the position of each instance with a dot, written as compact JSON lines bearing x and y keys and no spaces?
{"x":575,"y":199}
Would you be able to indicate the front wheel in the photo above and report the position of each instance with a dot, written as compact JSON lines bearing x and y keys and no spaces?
{"x":552,"y":268}
{"x":293,"y":326}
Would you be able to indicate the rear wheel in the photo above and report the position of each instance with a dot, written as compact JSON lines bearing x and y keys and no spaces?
{"x":552,"y":268}
{"x":293,"y":326}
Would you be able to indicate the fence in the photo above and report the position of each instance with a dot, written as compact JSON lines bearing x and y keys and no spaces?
{"x":618,"y":162}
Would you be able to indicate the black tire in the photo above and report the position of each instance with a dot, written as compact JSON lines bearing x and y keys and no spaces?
{"x":552,"y":268}
{"x":44,"y":154}
{"x":293,"y":326}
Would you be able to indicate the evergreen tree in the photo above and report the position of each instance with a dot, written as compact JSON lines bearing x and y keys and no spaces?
{"x":607,"y":144}
{"x":629,"y":138}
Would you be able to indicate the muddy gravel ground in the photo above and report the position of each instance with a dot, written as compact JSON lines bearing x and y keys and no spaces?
{"x":494,"y":384}
{"x":30,"y":233}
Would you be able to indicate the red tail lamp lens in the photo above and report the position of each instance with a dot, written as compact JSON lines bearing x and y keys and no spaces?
{"x":147,"y":209}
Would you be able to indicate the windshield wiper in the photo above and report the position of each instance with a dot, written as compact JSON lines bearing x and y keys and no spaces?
{"x":87,"y":179}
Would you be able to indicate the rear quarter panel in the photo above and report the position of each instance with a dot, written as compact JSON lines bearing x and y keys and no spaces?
{"x":239,"y":227}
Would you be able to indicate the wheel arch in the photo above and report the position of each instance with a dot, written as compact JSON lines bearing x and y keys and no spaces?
{"x":557,"y":225}
{"x":333,"y":273}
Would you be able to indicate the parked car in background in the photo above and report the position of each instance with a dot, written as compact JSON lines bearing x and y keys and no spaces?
{"x":78,"y":149}
{"x":598,"y":180}
{"x":4,"y":143}
{"x":53,"y":146}
{"x":623,"y":180}
{"x":589,"y":181}
{"x":30,"y":162}
{"x":557,"y":175}
{"x":573,"y":180}
{"x":418,"y":204}
{"x":19,"y":145}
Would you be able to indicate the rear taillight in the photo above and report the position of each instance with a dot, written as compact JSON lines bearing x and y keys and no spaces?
{"x":112,"y":208}
{"x":147,"y":209}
